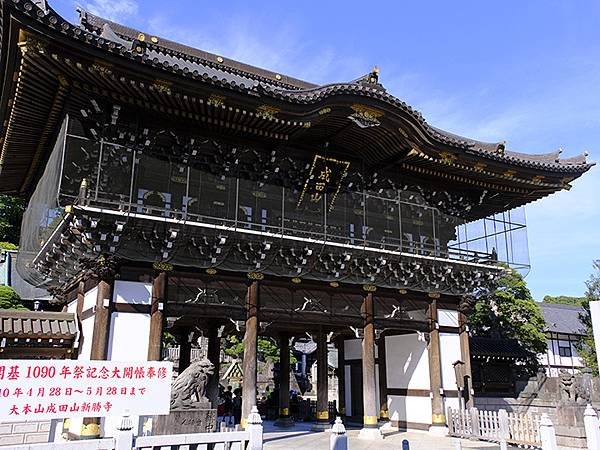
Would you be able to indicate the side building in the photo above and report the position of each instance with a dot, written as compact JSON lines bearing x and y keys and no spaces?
{"x":564,"y":330}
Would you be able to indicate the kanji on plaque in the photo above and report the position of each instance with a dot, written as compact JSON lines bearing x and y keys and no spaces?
{"x":55,"y":389}
{"x":323,"y":182}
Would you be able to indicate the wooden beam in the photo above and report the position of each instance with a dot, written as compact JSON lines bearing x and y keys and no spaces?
{"x":159,"y":295}
{"x":250,"y":350}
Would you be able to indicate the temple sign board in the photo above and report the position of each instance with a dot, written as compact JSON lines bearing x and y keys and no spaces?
{"x":55,"y":389}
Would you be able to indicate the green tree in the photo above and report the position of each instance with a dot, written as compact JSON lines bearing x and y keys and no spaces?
{"x":510,"y":312}
{"x":586,"y":347}
{"x":267,"y":349}
{"x":11,"y":214}
{"x":9,"y":299}
{"x":564,"y":300}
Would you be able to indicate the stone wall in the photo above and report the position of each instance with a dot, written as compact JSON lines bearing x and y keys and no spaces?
{"x":24,"y":432}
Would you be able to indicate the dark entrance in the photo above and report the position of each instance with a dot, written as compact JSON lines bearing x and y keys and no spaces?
{"x":356,"y":388}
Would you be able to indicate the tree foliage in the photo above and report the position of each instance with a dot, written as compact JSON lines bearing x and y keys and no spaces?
{"x":510,"y":312}
{"x":586,"y":347}
{"x":11,"y":214}
{"x":564,"y":300}
{"x":9,"y":299}
{"x":267,"y":349}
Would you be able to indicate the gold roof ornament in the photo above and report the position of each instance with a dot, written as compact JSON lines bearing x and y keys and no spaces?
{"x":365,"y":116}
{"x":216,"y":100}
{"x":369,"y":288}
{"x":256,"y":276}
{"x":267,"y":111}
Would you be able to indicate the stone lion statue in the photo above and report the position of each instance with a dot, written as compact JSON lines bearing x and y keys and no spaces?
{"x":572,"y":389}
{"x":189,"y":388}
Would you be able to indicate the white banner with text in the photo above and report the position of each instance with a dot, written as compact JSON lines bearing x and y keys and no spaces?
{"x":55,"y":389}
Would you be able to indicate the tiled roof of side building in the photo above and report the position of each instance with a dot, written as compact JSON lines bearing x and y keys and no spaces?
{"x":37,"y":325}
{"x":564,"y":319}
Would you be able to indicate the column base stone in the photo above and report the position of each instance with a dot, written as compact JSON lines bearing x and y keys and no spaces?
{"x":321,"y":426}
{"x":284,"y":422}
{"x":438,"y":430}
{"x":370,"y":433}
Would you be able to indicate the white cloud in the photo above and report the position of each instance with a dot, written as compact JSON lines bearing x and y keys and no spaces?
{"x":115,"y":10}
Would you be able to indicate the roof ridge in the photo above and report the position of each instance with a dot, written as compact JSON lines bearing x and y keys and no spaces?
{"x":95,"y":23}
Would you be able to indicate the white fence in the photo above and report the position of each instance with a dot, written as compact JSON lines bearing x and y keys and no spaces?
{"x":249,"y":439}
{"x":497,"y":426}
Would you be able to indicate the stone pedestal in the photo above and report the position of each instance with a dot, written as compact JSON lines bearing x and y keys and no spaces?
{"x":185,"y":421}
{"x":569,"y":426}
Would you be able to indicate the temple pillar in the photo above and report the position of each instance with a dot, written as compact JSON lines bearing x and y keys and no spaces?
{"x":185,"y":350}
{"x":250,"y":349}
{"x":214,"y":356}
{"x":382,"y":369}
{"x":101,"y":333}
{"x":90,"y":428}
{"x":370,"y":406}
{"x":322,"y":422}
{"x":284,"y":419}
{"x":438,"y":417}
{"x":341,"y":374}
{"x":465,"y":351}
{"x":159,"y":295}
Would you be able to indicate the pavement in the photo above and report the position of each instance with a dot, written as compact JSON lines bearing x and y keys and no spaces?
{"x":300,"y":437}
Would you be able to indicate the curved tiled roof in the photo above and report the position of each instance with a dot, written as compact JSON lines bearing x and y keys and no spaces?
{"x":253,"y":82}
{"x":235,"y":74}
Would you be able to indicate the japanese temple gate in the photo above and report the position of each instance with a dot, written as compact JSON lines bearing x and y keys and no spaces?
{"x":172,"y":188}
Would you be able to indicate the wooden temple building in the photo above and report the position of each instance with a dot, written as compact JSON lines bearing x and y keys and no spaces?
{"x":173,"y":188}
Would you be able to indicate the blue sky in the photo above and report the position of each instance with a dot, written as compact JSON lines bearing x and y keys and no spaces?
{"x":524,"y":72}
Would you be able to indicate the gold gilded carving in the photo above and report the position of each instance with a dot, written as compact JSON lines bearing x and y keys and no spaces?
{"x":402,"y":291}
{"x":296,"y":280}
{"x":267,"y":111}
{"x":538,"y":178}
{"x":434,"y":295}
{"x":162,"y":266}
{"x":447,"y":157}
{"x":162,"y":86}
{"x":324,"y":111}
{"x":211,"y":271}
{"x":334,"y":284}
{"x":369,"y":288}
{"x":479,"y":167}
{"x":216,"y":100}
{"x":365,"y":116}
{"x":510,"y":173}
{"x":101,"y":68}
{"x":256,"y":276}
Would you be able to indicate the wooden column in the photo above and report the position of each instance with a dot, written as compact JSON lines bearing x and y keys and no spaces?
{"x":250,"y":348}
{"x":341,"y":375}
{"x":382,"y":366}
{"x":90,"y":428}
{"x":465,"y":352}
{"x":101,"y":331}
{"x":370,"y":406}
{"x":159,"y":296}
{"x":284,"y":419}
{"x":438,"y":417}
{"x":322,"y":383}
{"x":214,"y":356}
{"x":185,"y":350}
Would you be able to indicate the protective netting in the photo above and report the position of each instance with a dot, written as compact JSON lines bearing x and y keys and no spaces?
{"x":203,"y":203}
{"x":43,"y":215}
